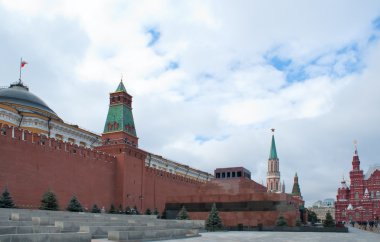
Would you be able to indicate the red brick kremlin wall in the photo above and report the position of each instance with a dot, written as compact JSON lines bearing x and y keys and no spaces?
{"x":31,"y":164}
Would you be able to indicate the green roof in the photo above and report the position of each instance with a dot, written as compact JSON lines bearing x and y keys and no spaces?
{"x":120,"y":118}
{"x":273,"y":152}
{"x":121,"y":87}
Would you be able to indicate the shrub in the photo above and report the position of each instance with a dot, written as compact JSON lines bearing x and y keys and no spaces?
{"x":155,"y":212}
{"x":112,"y":209}
{"x":74,"y":205}
{"x":214,"y":222}
{"x":183,"y":215}
{"x":49,"y":201}
{"x":148,"y":212}
{"x":329,"y":222}
{"x":6,"y":200}
{"x":95,"y":209}
{"x":281,"y":221}
{"x":127,"y":210}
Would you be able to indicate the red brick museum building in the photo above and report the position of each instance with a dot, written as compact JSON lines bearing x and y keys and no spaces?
{"x":359,"y":202}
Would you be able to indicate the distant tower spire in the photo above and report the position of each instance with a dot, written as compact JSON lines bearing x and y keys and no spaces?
{"x":273,"y":174}
{"x":355,"y":158}
{"x":296,"y":191}
{"x":283,"y":186}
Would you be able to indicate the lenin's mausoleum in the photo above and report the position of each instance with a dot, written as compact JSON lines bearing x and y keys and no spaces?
{"x":39,"y":151}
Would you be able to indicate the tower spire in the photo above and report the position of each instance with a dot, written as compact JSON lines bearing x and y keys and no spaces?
{"x":273,"y":174}
{"x":296,"y":191}
{"x":273,"y":151}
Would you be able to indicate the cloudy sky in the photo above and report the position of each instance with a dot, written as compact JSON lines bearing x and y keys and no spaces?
{"x":210,"y":78}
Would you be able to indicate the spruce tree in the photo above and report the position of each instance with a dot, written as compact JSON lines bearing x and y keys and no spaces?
{"x":329,"y":222}
{"x":120,"y":209}
{"x":214,"y":222}
{"x":112,"y":209}
{"x":298,"y":222}
{"x":183,"y":215}
{"x":6,"y":200}
{"x":281,"y":221}
{"x":74,"y":205}
{"x":49,"y":201}
{"x":148,"y":212}
{"x":163,"y":215}
{"x":155,"y":212}
{"x":135,"y":211}
{"x":95,"y":209}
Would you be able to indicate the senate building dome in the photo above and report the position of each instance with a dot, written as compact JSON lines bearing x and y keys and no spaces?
{"x":18,"y":97}
{"x":19,"y":108}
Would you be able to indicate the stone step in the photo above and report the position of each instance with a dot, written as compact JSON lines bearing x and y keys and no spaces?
{"x":144,"y":235}
{"x":28,"y":229}
{"x":47,"y":237}
{"x":102,"y":231}
{"x":73,"y":226}
{"x":28,"y":216}
{"x":51,"y":220}
{"x":16,"y":223}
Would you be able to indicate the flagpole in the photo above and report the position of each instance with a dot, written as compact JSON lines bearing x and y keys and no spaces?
{"x":20,"y":71}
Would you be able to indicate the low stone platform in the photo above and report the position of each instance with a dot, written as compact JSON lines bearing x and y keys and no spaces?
{"x":25,"y":225}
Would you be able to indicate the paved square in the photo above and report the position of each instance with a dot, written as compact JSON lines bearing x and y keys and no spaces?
{"x":354,"y":235}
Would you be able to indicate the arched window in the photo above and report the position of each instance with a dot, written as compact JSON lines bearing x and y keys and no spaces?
{"x":276,"y":185}
{"x":356,"y":195}
{"x":377,"y":194}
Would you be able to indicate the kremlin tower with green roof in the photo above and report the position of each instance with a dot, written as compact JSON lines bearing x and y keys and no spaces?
{"x":119,"y":125}
{"x":273,"y":174}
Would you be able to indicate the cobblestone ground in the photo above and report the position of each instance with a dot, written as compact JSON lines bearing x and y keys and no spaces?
{"x":354,"y":235}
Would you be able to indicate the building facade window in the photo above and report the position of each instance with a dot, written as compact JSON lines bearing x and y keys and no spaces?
{"x":356,"y":195}
{"x":377,"y":194}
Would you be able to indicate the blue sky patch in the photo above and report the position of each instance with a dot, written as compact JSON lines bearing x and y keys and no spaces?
{"x":279,"y":63}
{"x":172,"y":65}
{"x":155,"y":36}
{"x":202,"y":139}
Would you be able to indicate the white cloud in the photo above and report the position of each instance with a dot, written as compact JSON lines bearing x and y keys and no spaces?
{"x":223,"y":87}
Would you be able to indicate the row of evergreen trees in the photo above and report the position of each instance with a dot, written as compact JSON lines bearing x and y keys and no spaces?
{"x":50,"y":202}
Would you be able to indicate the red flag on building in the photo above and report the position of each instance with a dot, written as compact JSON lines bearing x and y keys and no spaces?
{"x":23,"y":63}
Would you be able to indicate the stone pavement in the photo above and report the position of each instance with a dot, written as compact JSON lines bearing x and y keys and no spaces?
{"x":354,"y":235}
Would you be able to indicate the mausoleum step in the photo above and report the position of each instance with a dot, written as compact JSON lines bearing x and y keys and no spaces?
{"x":28,"y":229}
{"x":73,"y":226}
{"x":145,"y":235}
{"x":47,"y":237}
{"x":16,"y":223}
{"x":102,"y":231}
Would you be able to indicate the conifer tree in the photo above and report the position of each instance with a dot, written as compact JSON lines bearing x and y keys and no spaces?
{"x":74,"y":205}
{"x":49,"y":201}
{"x":183,"y":215}
{"x":163,"y":215}
{"x":155,"y":212}
{"x":214,"y":222}
{"x":6,"y":200}
{"x":329,"y":222}
{"x":281,"y":221}
{"x":135,"y":211}
{"x":127,"y":210}
{"x":148,"y":212}
{"x":112,"y":209}
{"x":120,"y":209}
{"x":95,"y":209}
{"x":298,"y":222}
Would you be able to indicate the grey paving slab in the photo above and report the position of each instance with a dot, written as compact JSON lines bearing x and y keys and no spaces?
{"x":355,"y":235}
